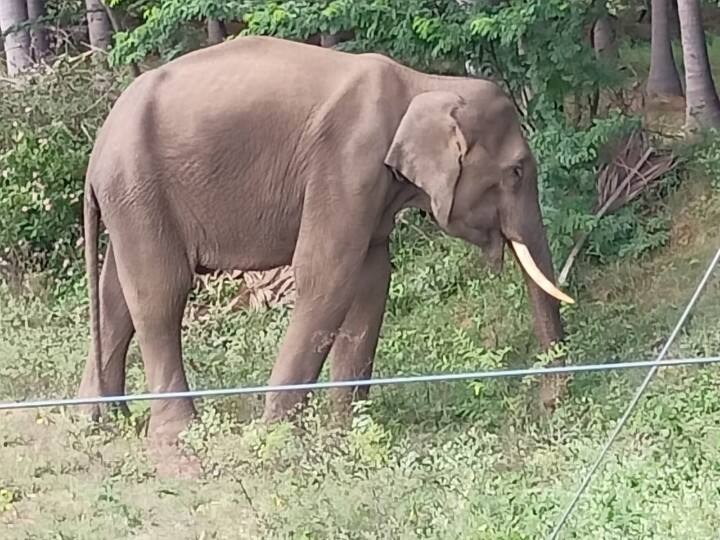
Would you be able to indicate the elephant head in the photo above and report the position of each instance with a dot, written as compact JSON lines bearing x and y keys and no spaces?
{"x":468,"y":156}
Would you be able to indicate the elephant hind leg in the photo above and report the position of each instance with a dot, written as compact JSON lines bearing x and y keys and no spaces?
{"x":156,"y":289}
{"x":116,"y":332}
{"x":354,"y":348}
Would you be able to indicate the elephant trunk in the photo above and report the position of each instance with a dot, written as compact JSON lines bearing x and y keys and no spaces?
{"x":545,"y":308}
{"x":525,"y":232}
{"x":543,"y":301}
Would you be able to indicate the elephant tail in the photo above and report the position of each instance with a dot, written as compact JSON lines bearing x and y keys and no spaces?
{"x":91,"y":219}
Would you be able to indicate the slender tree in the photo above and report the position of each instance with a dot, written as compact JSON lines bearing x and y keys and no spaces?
{"x":38,"y":35}
{"x":17,"y":40}
{"x":602,"y":32}
{"x":216,"y":31}
{"x":702,"y":108}
{"x":603,"y":38}
{"x":99,"y":27}
{"x":604,"y":43}
{"x":663,"y":79}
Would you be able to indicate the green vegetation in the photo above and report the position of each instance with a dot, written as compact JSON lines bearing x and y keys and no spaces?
{"x":44,"y":148}
{"x":463,"y":460}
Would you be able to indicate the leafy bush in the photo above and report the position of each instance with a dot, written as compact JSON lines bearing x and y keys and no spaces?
{"x":568,"y":158}
{"x":49,"y":125}
{"x":706,"y":157}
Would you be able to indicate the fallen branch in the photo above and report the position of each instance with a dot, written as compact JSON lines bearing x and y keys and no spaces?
{"x":619,"y":183}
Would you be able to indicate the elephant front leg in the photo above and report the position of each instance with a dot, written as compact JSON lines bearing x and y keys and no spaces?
{"x":354,"y":348}
{"x":326,"y":287}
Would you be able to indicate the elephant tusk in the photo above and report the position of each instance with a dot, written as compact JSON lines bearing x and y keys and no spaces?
{"x":528,"y":264}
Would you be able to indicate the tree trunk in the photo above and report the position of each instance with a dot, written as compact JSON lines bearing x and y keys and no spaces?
{"x":99,"y":27}
{"x":331,"y":40}
{"x":17,"y":43}
{"x":216,"y":31}
{"x":604,"y":41}
{"x":663,"y":79}
{"x":702,"y":109}
{"x":606,"y":50}
{"x":38,"y":34}
{"x":673,"y":19}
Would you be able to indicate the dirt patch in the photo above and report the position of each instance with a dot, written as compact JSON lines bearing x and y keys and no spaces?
{"x":63,"y":477}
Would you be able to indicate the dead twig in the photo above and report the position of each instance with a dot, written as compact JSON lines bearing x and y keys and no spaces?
{"x":635,"y":167}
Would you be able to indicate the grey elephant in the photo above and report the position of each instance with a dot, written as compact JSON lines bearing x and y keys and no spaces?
{"x":260,"y":152}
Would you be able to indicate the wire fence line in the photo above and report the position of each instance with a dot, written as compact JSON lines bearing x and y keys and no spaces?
{"x":654,"y":366}
{"x":388,"y":381}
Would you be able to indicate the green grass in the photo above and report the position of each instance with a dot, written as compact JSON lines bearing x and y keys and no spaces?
{"x":463,"y":460}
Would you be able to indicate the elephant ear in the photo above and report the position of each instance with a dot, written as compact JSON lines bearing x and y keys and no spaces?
{"x":428,"y":149}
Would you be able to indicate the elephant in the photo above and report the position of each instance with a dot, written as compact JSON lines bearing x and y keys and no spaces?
{"x":261,"y":152}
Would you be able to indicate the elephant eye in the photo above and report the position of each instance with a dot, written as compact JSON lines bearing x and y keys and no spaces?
{"x":514,"y":176}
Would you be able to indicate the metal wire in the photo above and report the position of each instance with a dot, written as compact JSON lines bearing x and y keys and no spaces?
{"x":636,"y":398}
{"x":415,"y":379}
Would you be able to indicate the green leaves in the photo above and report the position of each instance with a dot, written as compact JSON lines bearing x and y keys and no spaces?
{"x":45,"y":145}
{"x":568,"y":159}
{"x":541,"y":45}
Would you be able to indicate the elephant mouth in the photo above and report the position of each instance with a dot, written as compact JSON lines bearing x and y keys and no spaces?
{"x":492,"y":243}
{"x":493,"y":252}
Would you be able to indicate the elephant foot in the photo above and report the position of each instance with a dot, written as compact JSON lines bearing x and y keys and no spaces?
{"x":167,"y":423}
{"x":172,"y":462}
{"x":282,"y":406}
{"x":553,"y":388}
{"x":99,"y":410}
{"x":164,"y":447}
{"x":342,"y":401}
{"x":286,"y":406}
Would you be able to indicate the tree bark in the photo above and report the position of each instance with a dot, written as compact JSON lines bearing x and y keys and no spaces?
{"x":39,"y":47}
{"x":702,"y":109}
{"x":663,"y":79}
{"x":17,"y":42}
{"x":331,"y":40}
{"x":99,"y":27}
{"x":604,"y":41}
{"x":216,"y":31}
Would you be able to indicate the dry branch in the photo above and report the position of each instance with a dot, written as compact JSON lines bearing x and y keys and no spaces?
{"x":635,"y":167}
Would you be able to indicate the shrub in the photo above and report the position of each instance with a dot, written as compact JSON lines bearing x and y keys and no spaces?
{"x":706,"y":156}
{"x":50,"y":123}
{"x":568,"y":159}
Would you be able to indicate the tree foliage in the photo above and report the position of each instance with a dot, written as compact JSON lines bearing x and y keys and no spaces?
{"x":539,"y":49}
{"x":44,"y":149}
